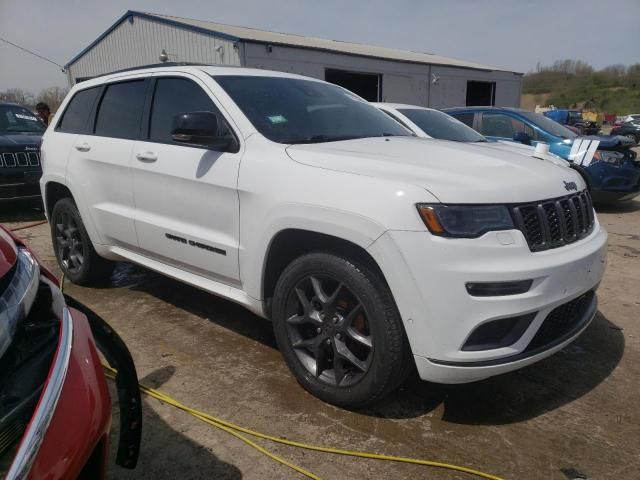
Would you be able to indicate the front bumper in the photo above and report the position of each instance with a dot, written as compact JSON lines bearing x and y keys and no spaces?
{"x":23,"y":185}
{"x":428,"y":275}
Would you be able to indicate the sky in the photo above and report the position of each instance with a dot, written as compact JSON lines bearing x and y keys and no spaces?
{"x":513,"y":34}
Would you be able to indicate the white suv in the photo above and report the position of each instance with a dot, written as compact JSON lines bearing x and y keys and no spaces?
{"x":371,"y":250}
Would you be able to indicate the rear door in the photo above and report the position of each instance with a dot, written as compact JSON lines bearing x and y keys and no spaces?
{"x":100,"y":162}
{"x":187,"y":207}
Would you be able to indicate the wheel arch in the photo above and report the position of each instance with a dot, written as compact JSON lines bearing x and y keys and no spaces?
{"x":290,"y":243}
{"x":54,"y":191}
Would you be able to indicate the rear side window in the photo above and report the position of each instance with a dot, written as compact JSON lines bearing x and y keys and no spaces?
{"x":173,"y":96}
{"x":121,"y":109}
{"x":75,"y":118}
{"x":466,"y":118}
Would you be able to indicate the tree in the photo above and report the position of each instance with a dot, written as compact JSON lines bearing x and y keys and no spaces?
{"x":17,"y":95}
{"x":53,"y":96}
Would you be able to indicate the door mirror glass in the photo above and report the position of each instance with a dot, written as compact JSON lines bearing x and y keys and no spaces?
{"x":522,"y":137}
{"x":200,"y":129}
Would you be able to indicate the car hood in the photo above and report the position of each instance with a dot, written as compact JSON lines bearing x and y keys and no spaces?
{"x":8,"y":254}
{"x":452,"y":172}
{"x":20,"y":139}
{"x":527,"y":150}
{"x":610,"y":142}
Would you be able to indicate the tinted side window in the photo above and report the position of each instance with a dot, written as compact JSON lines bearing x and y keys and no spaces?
{"x":120,"y":110}
{"x":75,"y":118}
{"x":466,"y":118}
{"x":173,"y":96}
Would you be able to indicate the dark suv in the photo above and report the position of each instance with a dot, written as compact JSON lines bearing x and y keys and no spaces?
{"x":20,"y":170}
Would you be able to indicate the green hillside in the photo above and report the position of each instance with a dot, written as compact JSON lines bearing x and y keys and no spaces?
{"x":573,"y":84}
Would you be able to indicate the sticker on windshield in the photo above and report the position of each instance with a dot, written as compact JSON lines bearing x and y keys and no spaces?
{"x":277,"y":119}
{"x":25,"y":117}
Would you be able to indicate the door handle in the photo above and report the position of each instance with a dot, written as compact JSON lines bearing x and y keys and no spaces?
{"x":83,"y":147}
{"x":147,"y":157}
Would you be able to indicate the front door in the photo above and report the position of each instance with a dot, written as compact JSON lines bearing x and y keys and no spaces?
{"x":187,"y":207}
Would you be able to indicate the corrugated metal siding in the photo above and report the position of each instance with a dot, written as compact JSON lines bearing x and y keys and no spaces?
{"x":141,"y":42}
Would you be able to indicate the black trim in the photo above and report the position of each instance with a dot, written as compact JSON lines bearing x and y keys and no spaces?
{"x":582,"y":324}
{"x":117,"y":354}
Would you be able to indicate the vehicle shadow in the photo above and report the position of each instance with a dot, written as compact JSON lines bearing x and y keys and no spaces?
{"x":521,"y":395}
{"x":165,"y":451}
{"x":514,"y":397}
{"x":194,"y":301}
{"x":21,"y":211}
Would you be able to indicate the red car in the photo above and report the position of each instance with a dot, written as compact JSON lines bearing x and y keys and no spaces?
{"x":55,"y":409}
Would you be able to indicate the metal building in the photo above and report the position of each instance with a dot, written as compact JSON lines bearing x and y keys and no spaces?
{"x":375,"y":73}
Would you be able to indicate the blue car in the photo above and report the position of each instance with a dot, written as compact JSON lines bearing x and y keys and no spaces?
{"x":614,"y":173}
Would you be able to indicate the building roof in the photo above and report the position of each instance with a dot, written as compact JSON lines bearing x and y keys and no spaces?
{"x":237,"y":33}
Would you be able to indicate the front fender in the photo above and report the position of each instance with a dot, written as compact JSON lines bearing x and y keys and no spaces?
{"x":357,"y":229}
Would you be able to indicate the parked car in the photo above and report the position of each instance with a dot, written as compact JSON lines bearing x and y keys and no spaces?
{"x":629,"y":129}
{"x":369,"y":249}
{"x":613,"y":174}
{"x":574,"y":119}
{"x":20,"y":134}
{"x":429,"y":123}
{"x":634,"y":117}
{"x":55,"y":410}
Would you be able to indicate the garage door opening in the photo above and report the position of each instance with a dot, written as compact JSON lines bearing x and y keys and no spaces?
{"x":367,"y":85}
{"x":481,"y":94}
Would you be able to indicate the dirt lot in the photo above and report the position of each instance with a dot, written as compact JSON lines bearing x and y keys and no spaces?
{"x":574,"y":415}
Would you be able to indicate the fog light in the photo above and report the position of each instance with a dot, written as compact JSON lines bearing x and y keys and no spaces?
{"x":498,"y":289}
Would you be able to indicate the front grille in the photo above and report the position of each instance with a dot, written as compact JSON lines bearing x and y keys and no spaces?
{"x":554,"y":223}
{"x":19,"y":159}
{"x":561,"y":322}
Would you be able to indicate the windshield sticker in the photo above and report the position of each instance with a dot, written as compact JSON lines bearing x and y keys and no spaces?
{"x":25,"y":117}
{"x":277,"y":119}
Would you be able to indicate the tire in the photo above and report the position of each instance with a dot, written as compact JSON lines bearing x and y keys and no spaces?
{"x":73,"y":248}
{"x":313,"y":334}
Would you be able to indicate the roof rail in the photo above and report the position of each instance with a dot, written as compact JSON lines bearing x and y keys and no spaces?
{"x":160,"y":65}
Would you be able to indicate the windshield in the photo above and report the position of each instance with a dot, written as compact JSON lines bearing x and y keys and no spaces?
{"x":291,"y":110}
{"x":20,"y":120}
{"x":440,"y":125}
{"x":547,"y":124}
{"x":575,"y":116}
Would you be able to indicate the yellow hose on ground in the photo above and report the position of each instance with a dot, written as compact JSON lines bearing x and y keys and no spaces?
{"x":233,"y":429}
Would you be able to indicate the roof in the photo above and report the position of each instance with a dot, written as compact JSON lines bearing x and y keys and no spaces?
{"x":236,"y":33}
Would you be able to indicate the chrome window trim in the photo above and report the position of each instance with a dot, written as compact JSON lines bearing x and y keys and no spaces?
{"x":33,"y":437}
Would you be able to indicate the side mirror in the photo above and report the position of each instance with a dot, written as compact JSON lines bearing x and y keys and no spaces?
{"x":522,"y":137}
{"x":200,"y":129}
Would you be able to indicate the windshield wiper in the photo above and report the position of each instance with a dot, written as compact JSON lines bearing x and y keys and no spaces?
{"x":323,"y":138}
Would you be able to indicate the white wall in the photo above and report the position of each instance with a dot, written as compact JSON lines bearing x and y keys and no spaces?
{"x":401,"y":82}
{"x":141,"y":42}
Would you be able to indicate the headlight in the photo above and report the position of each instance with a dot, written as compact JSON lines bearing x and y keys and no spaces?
{"x":465,"y":221}
{"x":18,"y":296}
{"x":615,"y":158}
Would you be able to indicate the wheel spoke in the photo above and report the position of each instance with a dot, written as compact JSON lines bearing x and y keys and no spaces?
{"x":338,"y":368}
{"x":321,"y":359}
{"x":351,"y":316}
{"x":310,"y":317}
{"x":360,"y":338}
{"x":343,"y":352}
{"x":306,"y":305}
{"x":318,"y":290}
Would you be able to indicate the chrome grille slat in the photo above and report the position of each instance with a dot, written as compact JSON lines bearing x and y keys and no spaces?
{"x":19,"y":159}
{"x":554,"y":223}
